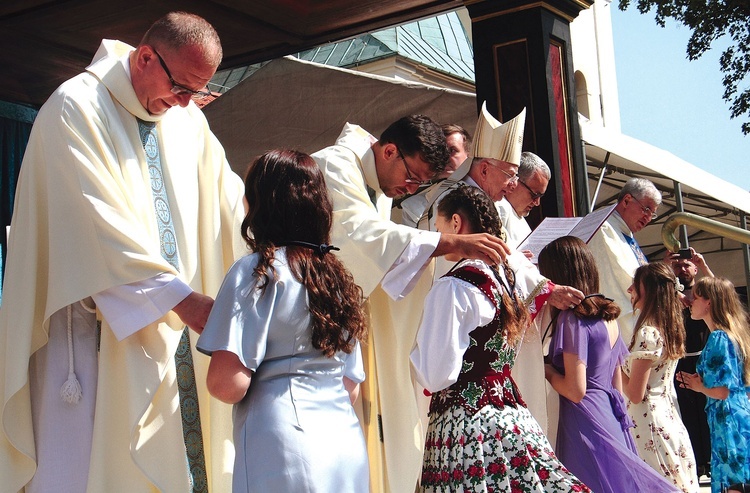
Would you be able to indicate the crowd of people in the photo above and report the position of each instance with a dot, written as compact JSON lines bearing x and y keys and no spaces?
{"x":354,"y":343}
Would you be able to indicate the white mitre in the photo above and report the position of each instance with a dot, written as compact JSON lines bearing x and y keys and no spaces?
{"x":501,"y":141}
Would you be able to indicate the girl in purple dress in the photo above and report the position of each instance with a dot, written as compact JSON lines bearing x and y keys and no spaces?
{"x":586,"y":352}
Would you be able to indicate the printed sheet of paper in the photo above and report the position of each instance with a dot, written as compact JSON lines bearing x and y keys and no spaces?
{"x":590,"y":224}
{"x":552,"y":228}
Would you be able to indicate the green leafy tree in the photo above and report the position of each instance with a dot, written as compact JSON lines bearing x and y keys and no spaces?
{"x":710,"y":20}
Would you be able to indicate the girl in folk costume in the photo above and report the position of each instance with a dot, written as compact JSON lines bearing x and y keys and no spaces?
{"x":648,"y":376}
{"x":481,"y":436}
{"x":586,"y":353}
{"x":724,"y":376}
{"x":283,"y":335}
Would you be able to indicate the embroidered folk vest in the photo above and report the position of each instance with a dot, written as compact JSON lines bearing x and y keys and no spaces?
{"x":485,"y":376}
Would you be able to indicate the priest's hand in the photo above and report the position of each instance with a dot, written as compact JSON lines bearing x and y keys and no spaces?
{"x":565,"y":297}
{"x":194,"y":310}
{"x":482,"y":246}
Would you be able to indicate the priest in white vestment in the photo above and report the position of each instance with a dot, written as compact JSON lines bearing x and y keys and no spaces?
{"x":533,"y":178}
{"x":616,"y":250}
{"x":390,"y":261}
{"x":85,"y":250}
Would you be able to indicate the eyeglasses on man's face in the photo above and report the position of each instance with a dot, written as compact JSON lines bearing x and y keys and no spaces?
{"x":534,"y":195}
{"x":410,"y":178}
{"x":177,"y":88}
{"x":512,"y":178}
{"x":646,"y":210}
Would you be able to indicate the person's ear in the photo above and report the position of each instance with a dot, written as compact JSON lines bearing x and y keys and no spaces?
{"x":456,"y":223}
{"x":390,"y":151}
{"x":485,"y":168}
{"x":143,"y":55}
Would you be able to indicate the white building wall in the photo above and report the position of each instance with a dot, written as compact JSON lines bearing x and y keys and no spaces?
{"x":594,"y":63}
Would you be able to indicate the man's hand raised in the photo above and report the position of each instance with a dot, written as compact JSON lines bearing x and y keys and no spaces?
{"x":482,"y":246}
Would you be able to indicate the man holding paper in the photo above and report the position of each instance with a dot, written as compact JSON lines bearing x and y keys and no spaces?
{"x":616,"y":250}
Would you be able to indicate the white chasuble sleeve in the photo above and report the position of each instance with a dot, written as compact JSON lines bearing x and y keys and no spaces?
{"x":617,"y":264}
{"x":130,"y":307}
{"x":370,"y":242}
{"x":408,"y":268}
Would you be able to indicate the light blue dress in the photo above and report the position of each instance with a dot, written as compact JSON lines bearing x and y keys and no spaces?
{"x":295,"y":430}
{"x":720,"y":365}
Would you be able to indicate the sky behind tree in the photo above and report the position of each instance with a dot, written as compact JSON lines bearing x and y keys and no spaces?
{"x":673,"y":103}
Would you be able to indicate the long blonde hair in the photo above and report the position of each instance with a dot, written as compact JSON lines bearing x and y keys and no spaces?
{"x":728,"y":314}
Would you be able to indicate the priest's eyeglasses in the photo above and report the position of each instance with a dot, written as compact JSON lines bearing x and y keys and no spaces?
{"x":513,"y":178}
{"x":177,"y":88}
{"x":411,"y":179}
{"x":534,"y":195}
{"x":646,"y":210}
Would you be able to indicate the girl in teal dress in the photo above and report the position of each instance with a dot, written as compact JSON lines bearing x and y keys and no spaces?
{"x":723,"y":375}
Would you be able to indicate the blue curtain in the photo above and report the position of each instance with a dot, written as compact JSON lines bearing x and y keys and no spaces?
{"x":15,"y":127}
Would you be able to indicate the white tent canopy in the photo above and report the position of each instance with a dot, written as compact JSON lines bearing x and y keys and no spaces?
{"x":303,"y":105}
{"x":702,"y":193}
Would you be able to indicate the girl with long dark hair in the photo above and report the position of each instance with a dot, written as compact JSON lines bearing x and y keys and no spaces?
{"x":648,"y":376}
{"x":283,"y":338}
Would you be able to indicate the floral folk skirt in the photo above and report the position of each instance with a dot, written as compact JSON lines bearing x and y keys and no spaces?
{"x":496,"y":449}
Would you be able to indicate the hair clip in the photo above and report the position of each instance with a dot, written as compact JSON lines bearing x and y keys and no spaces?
{"x":597,"y":295}
{"x":321,"y":249}
{"x":678,"y":286}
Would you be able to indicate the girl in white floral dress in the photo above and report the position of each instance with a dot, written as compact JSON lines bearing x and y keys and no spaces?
{"x":648,"y":376}
{"x":481,"y":437}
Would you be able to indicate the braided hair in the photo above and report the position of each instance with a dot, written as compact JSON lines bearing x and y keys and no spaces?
{"x":474,"y":207}
{"x":480,"y":213}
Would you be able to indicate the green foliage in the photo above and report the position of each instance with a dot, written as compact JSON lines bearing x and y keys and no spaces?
{"x":709,"y":20}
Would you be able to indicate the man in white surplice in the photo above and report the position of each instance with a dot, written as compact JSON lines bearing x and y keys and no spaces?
{"x":391,"y":261}
{"x":85,"y":249}
{"x":616,"y":250}
{"x":533,"y":178}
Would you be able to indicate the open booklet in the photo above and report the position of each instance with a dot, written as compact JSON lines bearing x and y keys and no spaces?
{"x":553,"y":228}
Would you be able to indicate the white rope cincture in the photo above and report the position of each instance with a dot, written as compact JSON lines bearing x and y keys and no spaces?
{"x":90,"y":309}
{"x":71,"y":389}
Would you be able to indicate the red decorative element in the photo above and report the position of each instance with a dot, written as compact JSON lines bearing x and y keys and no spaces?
{"x":561,"y":120}
{"x":544,"y":293}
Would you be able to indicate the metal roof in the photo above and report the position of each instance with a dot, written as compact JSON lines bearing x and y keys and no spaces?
{"x":439,"y":42}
